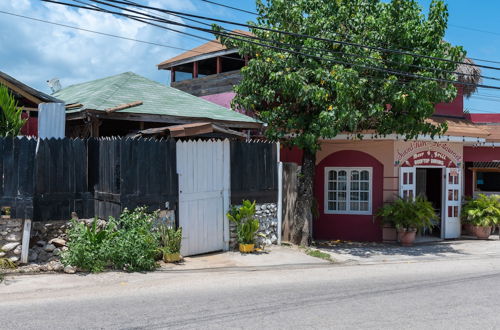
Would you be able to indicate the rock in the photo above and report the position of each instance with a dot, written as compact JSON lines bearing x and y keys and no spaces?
{"x":43,"y":256}
{"x":17,"y":229}
{"x":3,"y":233}
{"x":9,"y":246}
{"x":70,"y":270}
{"x":64,"y":248}
{"x":56,"y":251}
{"x":2,"y":254}
{"x":57,"y":266}
{"x":58,"y":242}
{"x":18,"y":249}
{"x":41,"y":243}
{"x":33,"y":256}
{"x":49,"y":247}
{"x":263,"y":207}
{"x":14,"y":259}
{"x":13,"y":237}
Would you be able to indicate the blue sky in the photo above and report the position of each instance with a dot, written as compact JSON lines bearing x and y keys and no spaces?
{"x":34,"y":52}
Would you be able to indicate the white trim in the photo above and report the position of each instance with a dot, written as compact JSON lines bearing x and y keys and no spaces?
{"x":444,"y":138}
{"x":348,"y":190}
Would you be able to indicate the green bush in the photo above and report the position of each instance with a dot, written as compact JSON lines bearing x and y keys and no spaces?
{"x":86,"y":246}
{"x":127,"y":243}
{"x":246,"y":224}
{"x":483,"y":211}
{"x":135,"y":245}
{"x":409,"y":214}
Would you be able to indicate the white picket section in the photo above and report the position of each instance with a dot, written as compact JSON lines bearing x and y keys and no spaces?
{"x":204,"y":183}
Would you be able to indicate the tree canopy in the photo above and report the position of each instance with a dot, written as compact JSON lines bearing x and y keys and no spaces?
{"x":340,"y":87}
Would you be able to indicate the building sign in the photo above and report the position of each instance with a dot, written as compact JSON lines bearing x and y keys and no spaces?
{"x":427,"y":154}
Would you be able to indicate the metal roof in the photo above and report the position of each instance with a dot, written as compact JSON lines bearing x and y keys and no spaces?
{"x":26,"y":91}
{"x":157,"y":99}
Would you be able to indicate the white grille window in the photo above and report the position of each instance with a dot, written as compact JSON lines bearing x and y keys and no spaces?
{"x":348,"y":190}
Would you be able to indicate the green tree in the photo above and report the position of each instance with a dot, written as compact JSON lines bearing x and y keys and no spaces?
{"x":304,"y":99}
{"x":11,"y":121}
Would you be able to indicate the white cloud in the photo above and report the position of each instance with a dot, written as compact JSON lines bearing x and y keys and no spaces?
{"x":34,"y":52}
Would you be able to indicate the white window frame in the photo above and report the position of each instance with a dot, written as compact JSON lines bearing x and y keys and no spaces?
{"x":348,"y":191}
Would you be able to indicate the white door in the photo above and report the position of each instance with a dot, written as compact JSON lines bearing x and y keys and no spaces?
{"x":452,"y":226}
{"x":203,"y":168}
{"x":407,"y":182}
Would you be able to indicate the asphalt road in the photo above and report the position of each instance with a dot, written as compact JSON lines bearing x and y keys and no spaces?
{"x":456,"y":294}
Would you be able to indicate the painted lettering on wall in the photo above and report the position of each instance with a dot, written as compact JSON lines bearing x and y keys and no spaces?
{"x":428,"y":154}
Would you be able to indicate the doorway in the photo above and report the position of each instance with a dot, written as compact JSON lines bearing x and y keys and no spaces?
{"x":429,"y":184}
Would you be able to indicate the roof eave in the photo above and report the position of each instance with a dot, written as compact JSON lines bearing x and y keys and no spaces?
{"x":168,"y":65}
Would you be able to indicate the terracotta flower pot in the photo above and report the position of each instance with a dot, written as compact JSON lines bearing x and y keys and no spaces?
{"x":482,"y":232}
{"x":247,"y":248}
{"x":407,"y":237}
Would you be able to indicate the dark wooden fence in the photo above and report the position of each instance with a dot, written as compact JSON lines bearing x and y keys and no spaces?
{"x":17,"y":166}
{"x":102,"y":177}
{"x":254,"y":172}
{"x":133,"y":173}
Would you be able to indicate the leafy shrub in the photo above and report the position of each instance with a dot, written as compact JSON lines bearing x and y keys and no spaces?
{"x":170,"y":239}
{"x":483,"y":211}
{"x":246,"y":224}
{"x":11,"y":120}
{"x":127,"y":243}
{"x":135,"y":245}
{"x":409,"y":214}
{"x":87,"y":246}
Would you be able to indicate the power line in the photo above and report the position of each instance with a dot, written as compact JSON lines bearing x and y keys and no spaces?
{"x":104,"y":33}
{"x":230,"y":7}
{"x":345,"y":43}
{"x":231,"y":36}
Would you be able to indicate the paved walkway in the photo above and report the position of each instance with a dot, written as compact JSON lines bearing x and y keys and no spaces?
{"x":375,"y":253}
{"x":274,"y":256}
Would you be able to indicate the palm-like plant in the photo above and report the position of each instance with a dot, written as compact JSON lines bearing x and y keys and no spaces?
{"x":246,"y":224}
{"x":483,"y":211}
{"x":409,"y":214}
{"x":11,"y":120}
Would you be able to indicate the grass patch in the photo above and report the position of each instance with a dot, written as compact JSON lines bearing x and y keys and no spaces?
{"x":319,"y":254}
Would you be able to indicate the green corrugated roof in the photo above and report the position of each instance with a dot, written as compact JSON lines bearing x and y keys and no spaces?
{"x":157,"y":99}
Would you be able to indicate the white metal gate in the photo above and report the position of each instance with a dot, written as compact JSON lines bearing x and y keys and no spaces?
{"x":204,"y":174}
{"x":452,"y":198}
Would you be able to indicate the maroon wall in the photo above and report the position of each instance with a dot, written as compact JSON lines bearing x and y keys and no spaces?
{"x":455,"y":108}
{"x":291,"y":155}
{"x":481,"y":154}
{"x":347,"y":226}
{"x":31,"y":126}
{"x":484,"y":117}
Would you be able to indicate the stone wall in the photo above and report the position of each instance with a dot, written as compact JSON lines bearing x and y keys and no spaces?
{"x":48,"y":240}
{"x":11,"y":235}
{"x":267,"y":214}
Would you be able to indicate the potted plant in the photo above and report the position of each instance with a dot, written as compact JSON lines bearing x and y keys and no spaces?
{"x":246,"y":225}
{"x":408,"y":216}
{"x":483,"y":213}
{"x":5,"y":212}
{"x":170,"y":243}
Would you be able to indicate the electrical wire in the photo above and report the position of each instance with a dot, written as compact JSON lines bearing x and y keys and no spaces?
{"x":345,"y":43}
{"x":405,"y":74}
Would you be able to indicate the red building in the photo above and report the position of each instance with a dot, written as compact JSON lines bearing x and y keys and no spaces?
{"x":354,"y":178}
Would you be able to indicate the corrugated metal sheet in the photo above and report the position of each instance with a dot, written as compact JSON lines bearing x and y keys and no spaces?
{"x":51,"y":120}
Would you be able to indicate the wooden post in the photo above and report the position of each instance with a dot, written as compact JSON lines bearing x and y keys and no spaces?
{"x":94,"y":132}
{"x":219,"y":64}
{"x":246,"y":60}
{"x":195,"y":70}
{"x":172,"y":75}
{"x":141,"y":125}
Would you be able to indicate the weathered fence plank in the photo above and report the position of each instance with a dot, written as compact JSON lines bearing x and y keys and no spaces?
{"x":254,"y":172}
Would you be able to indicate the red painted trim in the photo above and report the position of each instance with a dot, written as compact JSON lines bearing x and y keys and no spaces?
{"x":484,"y":118}
{"x":349,"y":227}
{"x":219,"y":64}
{"x":481,"y":154}
{"x":195,"y":69}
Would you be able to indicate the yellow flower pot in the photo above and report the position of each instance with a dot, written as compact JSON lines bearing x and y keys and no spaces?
{"x":247,"y":248}
{"x":171,"y":257}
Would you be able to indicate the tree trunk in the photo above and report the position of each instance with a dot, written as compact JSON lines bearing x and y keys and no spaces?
{"x":303,"y":216}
